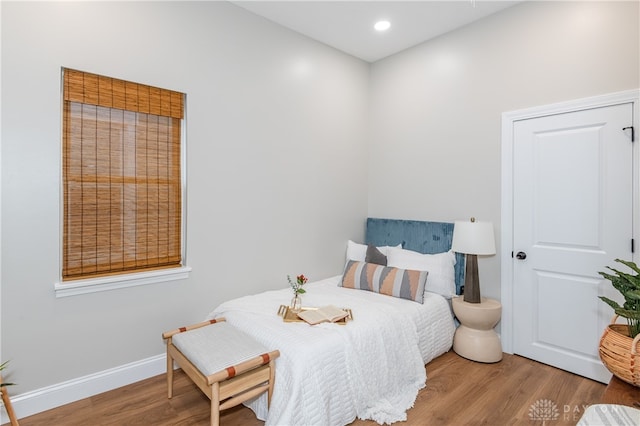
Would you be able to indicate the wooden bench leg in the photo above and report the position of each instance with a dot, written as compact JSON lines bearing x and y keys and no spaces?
{"x":215,"y":404}
{"x":169,"y":373}
{"x":272,"y":377}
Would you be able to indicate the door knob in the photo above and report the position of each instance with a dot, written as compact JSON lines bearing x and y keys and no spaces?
{"x":521,"y":255}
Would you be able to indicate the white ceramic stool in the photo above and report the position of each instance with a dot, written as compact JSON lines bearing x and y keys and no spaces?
{"x":475,"y":338}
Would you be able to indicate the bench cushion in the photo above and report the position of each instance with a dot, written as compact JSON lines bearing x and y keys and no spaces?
{"x":217,"y":346}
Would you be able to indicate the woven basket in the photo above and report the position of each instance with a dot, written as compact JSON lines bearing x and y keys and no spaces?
{"x":620,"y":353}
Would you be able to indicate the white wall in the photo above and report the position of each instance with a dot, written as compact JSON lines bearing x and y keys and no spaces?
{"x":276,"y":174}
{"x":436,"y":108}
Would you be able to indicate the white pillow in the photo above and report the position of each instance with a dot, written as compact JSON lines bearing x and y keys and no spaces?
{"x":358,"y":252}
{"x":441,"y":267}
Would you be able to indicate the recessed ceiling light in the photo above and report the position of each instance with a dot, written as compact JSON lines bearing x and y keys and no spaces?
{"x":382,"y":25}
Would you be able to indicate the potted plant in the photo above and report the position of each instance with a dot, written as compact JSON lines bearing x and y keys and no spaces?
{"x":619,"y":345}
{"x":629,"y":286}
{"x":5,"y":398}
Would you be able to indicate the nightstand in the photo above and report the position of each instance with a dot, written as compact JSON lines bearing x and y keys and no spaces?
{"x":475,"y":338}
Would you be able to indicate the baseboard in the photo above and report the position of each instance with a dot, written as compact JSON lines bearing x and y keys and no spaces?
{"x":39,"y":400}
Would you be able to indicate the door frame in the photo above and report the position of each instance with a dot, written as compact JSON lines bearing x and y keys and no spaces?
{"x":506,"y":208}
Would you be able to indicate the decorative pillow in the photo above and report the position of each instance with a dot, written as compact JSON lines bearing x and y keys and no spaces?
{"x":441,"y":267}
{"x":358,"y":252}
{"x":375,"y":256}
{"x":395,"y":282}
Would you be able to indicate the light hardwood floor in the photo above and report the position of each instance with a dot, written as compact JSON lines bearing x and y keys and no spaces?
{"x":458,"y":392}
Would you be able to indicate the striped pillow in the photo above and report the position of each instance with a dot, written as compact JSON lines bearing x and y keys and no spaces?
{"x":403,"y":283}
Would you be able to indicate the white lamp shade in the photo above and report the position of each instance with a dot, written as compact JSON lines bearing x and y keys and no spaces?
{"x":473,"y":238}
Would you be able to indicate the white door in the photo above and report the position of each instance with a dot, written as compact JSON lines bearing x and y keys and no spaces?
{"x":572,"y":216}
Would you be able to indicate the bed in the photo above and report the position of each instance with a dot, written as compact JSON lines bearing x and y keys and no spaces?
{"x":371,"y":367}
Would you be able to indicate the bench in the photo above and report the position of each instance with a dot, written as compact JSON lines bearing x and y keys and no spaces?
{"x":227,"y":365}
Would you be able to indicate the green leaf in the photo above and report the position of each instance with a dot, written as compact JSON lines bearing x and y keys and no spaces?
{"x":610,"y":302}
{"x":632,"y":294}
{"x":628,"y":313}
{"x":628,"y":285}
{"x":2,"y":367}
{"x":629,"y":264}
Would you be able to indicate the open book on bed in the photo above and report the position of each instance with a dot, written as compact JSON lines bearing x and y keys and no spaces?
{"x":324,"y":314}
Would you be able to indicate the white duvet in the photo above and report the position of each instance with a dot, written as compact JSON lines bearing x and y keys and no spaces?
{"x":329,"y":374}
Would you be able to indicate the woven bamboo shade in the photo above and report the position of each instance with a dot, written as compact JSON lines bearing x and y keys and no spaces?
{"x":121,"y":176}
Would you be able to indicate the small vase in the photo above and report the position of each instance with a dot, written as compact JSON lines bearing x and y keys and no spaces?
{"x":296,"y":303}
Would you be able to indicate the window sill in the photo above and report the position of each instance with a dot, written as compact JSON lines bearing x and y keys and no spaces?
{"x":94,"y":285}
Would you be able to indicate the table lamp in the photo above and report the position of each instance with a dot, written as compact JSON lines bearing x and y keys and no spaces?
{"x":473,"y":238}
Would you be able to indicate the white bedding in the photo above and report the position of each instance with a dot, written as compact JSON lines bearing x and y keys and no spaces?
{"x":610,"y":415}
{"x":329,"y":374}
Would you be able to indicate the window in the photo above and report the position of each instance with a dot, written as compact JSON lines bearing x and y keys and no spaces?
{"x":121,"y":177}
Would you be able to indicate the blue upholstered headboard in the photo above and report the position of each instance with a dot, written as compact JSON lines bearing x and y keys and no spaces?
{"x":416,"y":235}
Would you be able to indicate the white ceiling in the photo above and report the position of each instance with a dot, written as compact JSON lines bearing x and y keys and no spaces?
{"x":348,"y":25}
